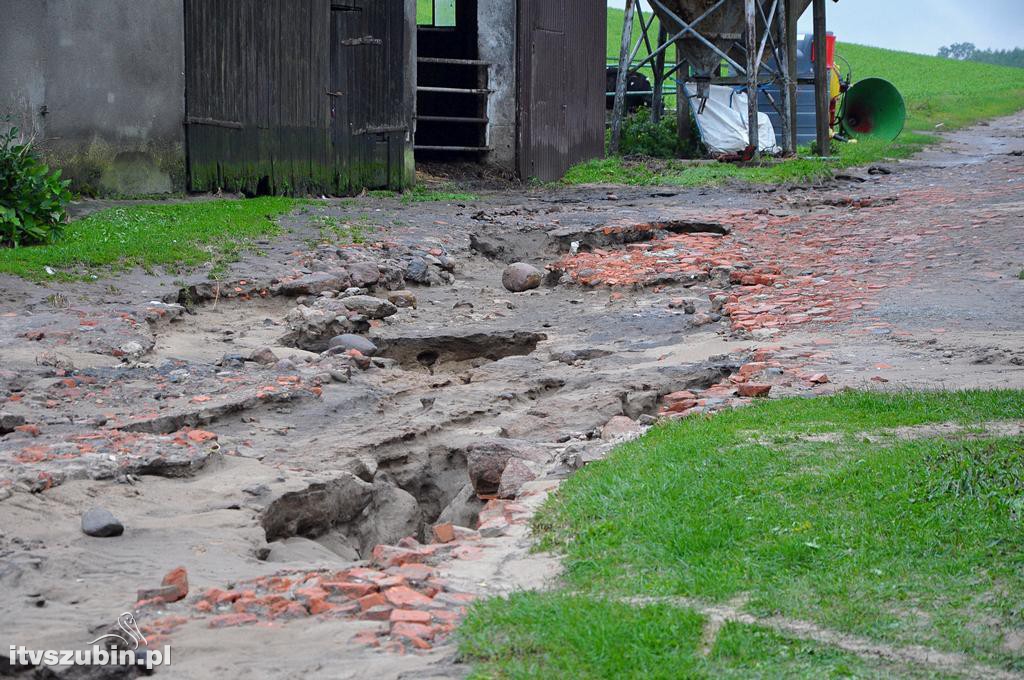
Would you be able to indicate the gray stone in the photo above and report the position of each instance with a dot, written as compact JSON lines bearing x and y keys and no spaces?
{"x":100,"y":523}
{"x":370,"y":307}
{"x":314,"y":284}
{"x":232,"y":360}
{"x":418,"y":270}
{"x":264,"y":356}
{"x":396,"y":515}
{"x":9,"y":421}
{"x":402,"y":299}
{"x":356,"y":342}
{"x":487,"y":461}
{"x":463,"y":510}
{"x":515,"y":475}
{"x":315,"y":510}
{"x":520,"y":277}
{"x":364,"y":274}
{"x":131,"y":349}
{"x":620,"y":426}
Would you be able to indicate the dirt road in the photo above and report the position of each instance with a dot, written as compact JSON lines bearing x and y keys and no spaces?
{"x":217,"y":423}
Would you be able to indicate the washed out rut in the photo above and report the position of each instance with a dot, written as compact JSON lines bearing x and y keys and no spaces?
{"x":234,"y":431}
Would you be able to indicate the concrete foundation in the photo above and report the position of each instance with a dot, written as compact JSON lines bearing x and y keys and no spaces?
{"x":101,"y":88}
{"x":497,"y":44}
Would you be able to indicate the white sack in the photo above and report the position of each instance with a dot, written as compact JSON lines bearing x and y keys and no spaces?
{"x":723,"y":123}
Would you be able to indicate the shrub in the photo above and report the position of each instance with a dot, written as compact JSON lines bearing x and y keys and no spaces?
{"x":33,"y":200}
{"x":641,"y":136}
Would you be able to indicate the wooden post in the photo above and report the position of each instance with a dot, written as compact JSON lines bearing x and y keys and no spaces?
{"x":683,"y":126}
{"x":788,"y":121}
{"x":658,"y":99}
{"x":619,"y":110}
{"x":822,"y":96}
{"x":752,"y":69}
{"x":792,"y":17}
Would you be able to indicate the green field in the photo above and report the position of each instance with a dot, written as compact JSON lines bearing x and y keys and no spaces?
{"x":941,"y":94}
{"x":853,"y":512}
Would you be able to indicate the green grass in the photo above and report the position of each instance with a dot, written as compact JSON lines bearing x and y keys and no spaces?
{"x":551,"y":635}
{"x":177,"y":236}
{"x":941,"y":94}
{"x":336,"y":232}
{"x":790,"y":505}
{"x":420,"y":194}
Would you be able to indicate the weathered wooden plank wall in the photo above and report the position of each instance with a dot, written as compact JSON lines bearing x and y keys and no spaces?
{"x":289,"y":96}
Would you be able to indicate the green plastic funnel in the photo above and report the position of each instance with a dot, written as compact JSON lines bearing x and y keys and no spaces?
{"x":874,"y":108}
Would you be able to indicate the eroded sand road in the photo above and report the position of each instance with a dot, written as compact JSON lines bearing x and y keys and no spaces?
{"x":271,"y":476}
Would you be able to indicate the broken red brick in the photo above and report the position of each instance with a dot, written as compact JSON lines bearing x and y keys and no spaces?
{"x":373,"y":600}
{"x":753,"y":368}
{"x":177,"y":578}
{"x":201,"y":436}
{"x":378,"y":613}
{"x":818,"y":378}
{"x":445,"y":616}
{"x":29,"y":429}
{"x":361,"y":573}
{"x":229,"y":620}
{"x":680,"y":406}
{"x":156,"y":596}
{"x":410,"y":631}
{"x":444,"y":533}
{"x":367,"y":637}
{"x":392,"y":556}
{"x":350,"y":588}
{"x":410,"y":616}
{"x":406,"y":598}
{"x":753,"y":390}
{"x":414,"y":572}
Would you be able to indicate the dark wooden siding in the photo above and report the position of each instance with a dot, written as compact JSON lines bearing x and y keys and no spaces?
{"x":275,"y":104}
{"x":561,"y":85}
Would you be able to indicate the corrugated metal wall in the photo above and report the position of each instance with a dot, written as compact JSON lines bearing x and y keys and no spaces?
{"x":293,"y":96}
{"x":561,"y":85}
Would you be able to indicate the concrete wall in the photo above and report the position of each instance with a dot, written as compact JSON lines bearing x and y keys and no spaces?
{"x":497,"y":44}
{"x":101,"y":84}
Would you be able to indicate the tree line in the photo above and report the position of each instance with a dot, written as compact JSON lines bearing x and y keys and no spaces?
{"x":968,"y":52}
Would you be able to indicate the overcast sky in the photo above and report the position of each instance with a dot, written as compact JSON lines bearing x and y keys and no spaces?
{"x":923,"y":25}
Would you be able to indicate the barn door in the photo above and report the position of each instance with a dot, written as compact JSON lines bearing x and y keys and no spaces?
{"x":370,"y":91}
{"x":561,"y":85}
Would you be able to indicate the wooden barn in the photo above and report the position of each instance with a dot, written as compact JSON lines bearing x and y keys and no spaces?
{"x":303,"y":96}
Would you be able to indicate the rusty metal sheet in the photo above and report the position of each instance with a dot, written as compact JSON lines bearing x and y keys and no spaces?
{"x":561,"y":85}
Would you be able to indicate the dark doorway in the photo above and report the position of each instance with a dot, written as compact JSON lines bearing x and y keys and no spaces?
{"x":452,"y":83}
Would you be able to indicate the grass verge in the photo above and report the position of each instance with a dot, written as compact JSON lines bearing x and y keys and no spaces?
{"x":533,"y":635}
{"x":813,"y":510}
{"x":176,"y":236}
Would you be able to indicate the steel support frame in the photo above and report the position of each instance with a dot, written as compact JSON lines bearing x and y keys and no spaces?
{"x":766,"y":29}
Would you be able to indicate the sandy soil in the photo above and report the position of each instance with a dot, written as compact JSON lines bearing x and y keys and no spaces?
{"x":136,"y":393}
